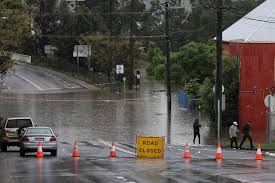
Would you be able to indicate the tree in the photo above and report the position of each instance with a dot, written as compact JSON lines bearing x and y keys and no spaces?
{"x":153,"y":57}
{"x":191,"y":87}
{"x":176,"y":73}
{"x":196,"y":60}
{"x":230,"y":77}
{"x":101,"y":46}
{"x":14,"y":26}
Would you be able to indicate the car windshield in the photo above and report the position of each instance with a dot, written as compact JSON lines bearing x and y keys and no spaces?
{"x":18,"y":123}
{"x":38,"y":131}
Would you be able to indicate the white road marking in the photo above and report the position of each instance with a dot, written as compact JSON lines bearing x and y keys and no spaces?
{"x":120,"y":177}
{"x":192,"y":154}
{"x":29,"y":81}
{"x":95,"y":100}
{"x":117,"y":148}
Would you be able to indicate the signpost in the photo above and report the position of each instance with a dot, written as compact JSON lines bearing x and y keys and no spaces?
{"x":50,"y":50}
{"x":218,"y":99}
{"x":269,"y":102}
{"x":150,"y":147}
{"x":124,"y":84}
{"x":81,"y":51}
{"x":120,"y":69}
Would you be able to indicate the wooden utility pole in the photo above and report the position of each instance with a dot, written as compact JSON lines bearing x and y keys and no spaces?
{"x":168,"y":82}
{"x":218,"y":85}
{"x":131,"y":75}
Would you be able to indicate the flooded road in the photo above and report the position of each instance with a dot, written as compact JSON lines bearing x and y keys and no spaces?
{"x":81,"y":114}
{"x":94,"y":117}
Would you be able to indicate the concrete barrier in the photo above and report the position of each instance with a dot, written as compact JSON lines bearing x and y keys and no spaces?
{"x":21,"y":58}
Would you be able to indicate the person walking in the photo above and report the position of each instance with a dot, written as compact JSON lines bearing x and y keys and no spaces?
{"x":196,"y":129}
{"x":233,"y":130}
{"x":246,"y":134}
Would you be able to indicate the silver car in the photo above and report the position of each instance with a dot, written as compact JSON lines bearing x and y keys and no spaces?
{"x":32,"y":135}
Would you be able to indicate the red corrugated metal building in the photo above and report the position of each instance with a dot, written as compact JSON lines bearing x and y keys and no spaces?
{"x":252,"y":39}
{"x":257,"y":64}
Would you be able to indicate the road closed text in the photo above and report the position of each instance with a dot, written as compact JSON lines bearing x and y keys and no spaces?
{"x":150,"y":147}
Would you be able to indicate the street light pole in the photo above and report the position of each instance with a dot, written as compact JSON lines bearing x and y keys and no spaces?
{"x":168,"y":83}
{"x":218,"y":85}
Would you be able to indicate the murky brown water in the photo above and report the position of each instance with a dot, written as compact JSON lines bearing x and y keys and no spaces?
{"x":88,"y":115}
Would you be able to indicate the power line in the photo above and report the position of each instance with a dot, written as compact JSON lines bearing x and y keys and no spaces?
{"x":112,"y":37}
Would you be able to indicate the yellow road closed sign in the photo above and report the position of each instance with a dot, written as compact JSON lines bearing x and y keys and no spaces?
{"x":150,"y":147}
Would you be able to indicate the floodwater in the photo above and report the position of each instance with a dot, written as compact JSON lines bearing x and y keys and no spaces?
{"x":89,"y":115}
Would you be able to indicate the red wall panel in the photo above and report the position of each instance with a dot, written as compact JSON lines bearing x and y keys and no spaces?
{"x":256,"y":78}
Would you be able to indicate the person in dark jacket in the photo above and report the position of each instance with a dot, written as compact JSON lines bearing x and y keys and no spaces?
{"x":196,"y":129}
{"x":246,"y":134}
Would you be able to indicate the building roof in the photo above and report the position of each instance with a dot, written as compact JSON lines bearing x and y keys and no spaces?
{"x":257,"y":26}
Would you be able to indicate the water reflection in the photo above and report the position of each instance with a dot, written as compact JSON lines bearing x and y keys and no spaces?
{"x":88,"y":115}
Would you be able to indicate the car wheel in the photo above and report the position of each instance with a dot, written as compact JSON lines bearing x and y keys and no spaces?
{"x":4,"y":147}
{"x":22,"y":152}
{"x":54,"y":153}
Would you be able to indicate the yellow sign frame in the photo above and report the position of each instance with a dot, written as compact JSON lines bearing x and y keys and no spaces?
{"x":150,"y":147}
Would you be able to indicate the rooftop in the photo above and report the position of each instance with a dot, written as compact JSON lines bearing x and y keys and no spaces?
{"x":256,"y":26}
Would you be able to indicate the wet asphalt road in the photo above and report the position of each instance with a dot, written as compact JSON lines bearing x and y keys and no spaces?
{"x":94,"y":165}
{"x":94,"y":116}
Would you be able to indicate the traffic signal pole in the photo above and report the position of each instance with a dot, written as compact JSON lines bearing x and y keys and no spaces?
{"x":218,"y":85}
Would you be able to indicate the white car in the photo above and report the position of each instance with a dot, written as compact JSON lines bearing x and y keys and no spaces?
{"x":9,"y":131}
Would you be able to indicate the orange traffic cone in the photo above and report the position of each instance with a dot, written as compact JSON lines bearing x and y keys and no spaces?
{"x":75,"y":151}
{"x":219,"y":152}
{"x":259,"y":153}
{"x":113,"y":150}
{"x":39,"y":153}
{"x":186,"y":152}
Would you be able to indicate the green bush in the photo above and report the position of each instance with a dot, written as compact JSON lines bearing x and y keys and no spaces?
{"x":176,"y":73}
{"x":160,"y":72}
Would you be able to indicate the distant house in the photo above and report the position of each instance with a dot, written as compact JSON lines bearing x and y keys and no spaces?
{"x":252,"y":40}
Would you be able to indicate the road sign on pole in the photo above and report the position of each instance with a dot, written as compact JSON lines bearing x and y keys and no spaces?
{"x":120,"y":69}
{"x":215,"y":86}
{"x":82,"y":51}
